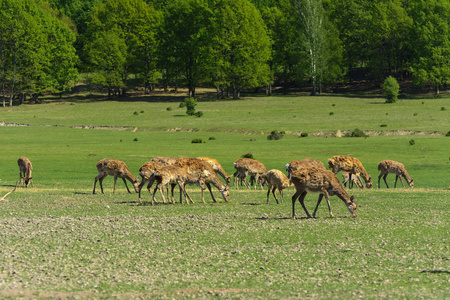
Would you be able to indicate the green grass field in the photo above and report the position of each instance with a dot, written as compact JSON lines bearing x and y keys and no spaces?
{"x":60,"y":241}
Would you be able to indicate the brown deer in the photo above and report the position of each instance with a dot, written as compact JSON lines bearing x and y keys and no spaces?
{"x":351,"y":165}
{"x":177,"y":175}
{"x":355,"y":180}
{"x":118,"y":169}
{"x":275,"y":179}
{"x":248,"y":166}
{"x":4,"y":197}
{"x":319,"y":181}
{"x":390,"y":166}
{"x":304,"y":163}
{"x":196,"y":166}
{"x":146,"y":171}
{"x":218,"y":168}
{"x":25,"y":169}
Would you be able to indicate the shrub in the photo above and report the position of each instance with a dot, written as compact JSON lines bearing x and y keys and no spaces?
{"x":356,"y":133}
{"x":443,"y":108}
{"x":197,"y":141}
{"x":199,"y":114}
{"x":303,"y":134}
{"x":247,"y":155}
{"x":412,"y":142}
{"x":190,"y":104}
{"x":212,"y":138}
{"x":135,"y":113}
{"x":276,"y":135}
{"x":331,"y":113}
{"x":383,"y":125}
{"x":390,"y":88}
{"x":448,"y":134}
{"x":169,"y":109}
{"x":135,"y":140}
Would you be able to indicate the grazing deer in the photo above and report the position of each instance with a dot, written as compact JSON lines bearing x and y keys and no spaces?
{"x":25,"y":169}
{"x":196,"y":166}
{"x":248,"y":166}
{"x":146,"y":171}
{"x":355,"y":180}
{"x":218,"y":168}
{"x":390,"y":166}
{"x":275,"y":179}
{"x":351,"y":165}
{"x":4,"y":197}
{"x":165,"y":160}
{"x":319,"y":181}
{"x":177,"y":175}
{"x":118,"y":169}
{"x":304,"y":163}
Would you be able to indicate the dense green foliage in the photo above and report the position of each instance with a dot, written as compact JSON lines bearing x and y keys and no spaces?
{"x":390,"y":88}
{"x":229,"y":45}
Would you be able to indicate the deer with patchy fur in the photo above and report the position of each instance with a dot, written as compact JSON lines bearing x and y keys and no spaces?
{"x":355,"y":180}
{"x":146,"y":171}
{"x":304,"y":163}
{"x":248,"y":166}
{"x":319,"y":181}
{"x":118,"y":169}
{"x":218,"y":168}
{"x":176,"y":175}
{"x":275,"y":179}
{"x":349,"y":164}
{"x":165,"y":160}
{"x":389,"y":166}
{"x":196,"y":166}
{"x":25,"y":169}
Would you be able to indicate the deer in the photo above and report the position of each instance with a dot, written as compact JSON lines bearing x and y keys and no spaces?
{"x":304,"y":163}
{"x":355,"y":180}
{"x":177,"y":175}
{"x":252,"y":167}
{"x":218,"y":168}
{"x":349,"y":164}
{"x":196,"y":166}
{"x":25,"y":169}
{"x":118,"y":169}
{"x":389,"y":166}
{"x":275,"y":179}
{"x":311,"y":180}
{"x":146,"y":171}
{"x":4,"y":197}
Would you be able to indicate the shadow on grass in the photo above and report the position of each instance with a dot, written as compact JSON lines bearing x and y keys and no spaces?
{"x":435,"y":272}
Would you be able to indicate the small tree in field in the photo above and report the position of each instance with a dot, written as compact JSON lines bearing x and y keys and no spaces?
{"x":190,"y":104}
{"x":390,"y":88}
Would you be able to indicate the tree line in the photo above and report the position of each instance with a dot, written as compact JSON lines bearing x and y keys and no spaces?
{"x":227,"y":44}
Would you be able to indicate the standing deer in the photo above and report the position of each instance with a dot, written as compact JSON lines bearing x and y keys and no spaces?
{"x":218,"y":168}
{"x":275,"y":179}
{"x":319,"y":181}
{"x":390,"y":166}
{"x":351,"y":165}
{"x":304,"y":163}
{"x":177,"y":175}
{"x":118,"y":169}
{"x":196,"y":166}
{"x":146,"y":171}
{"x":248,"y":166}
{"x":25,"y":169}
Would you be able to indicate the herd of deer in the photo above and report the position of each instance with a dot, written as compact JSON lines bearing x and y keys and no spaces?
{"x":307,"y":176}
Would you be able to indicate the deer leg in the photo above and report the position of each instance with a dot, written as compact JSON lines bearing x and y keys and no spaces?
{"x":302,"y":200}
{"x":161,"y":191}
{"x":140,"y":188}
{"x":268,"y":194}
{"x":210,"y":191}
{"x":124,"y":181}
{"x":294,"y":198}
{"x":350,"y":181}
{"x":172,"y":186}
{"x":401,"y":180}
{"x":361,"y":184}
{"x":327,"y":196}
{"x":395,"y":183}
{"x":317,"y":206}
{"x":100,"y":181}
{"x":273,"y":192}
{"x":384,"y":178}
{"x":95,"y":183}
{"x":281,"y":193}
{"x":153,"y":196}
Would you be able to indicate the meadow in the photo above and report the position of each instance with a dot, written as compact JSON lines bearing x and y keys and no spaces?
{"x":61,"y":241}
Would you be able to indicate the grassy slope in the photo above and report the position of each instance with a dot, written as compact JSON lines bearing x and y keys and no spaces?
{"x":58,"y":240}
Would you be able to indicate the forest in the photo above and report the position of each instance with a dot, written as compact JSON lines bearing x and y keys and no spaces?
{"x":229,"y":45}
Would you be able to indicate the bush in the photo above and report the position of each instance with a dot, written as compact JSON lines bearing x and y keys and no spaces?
{"x":412,"y":142}
{"x":247,"y":155}
{"x":276,"y":135}
{"x":212,"y":138}
{"x":190,"y":104}
{"x":169,"y":109}
{"x":303,"y":134}
{"x":199,"y":114}
{"x":448,"y":134}
{"x":356,"y":133}
{"x":390,"y":88}
{"x":383,"y":125}
{"x":197,"y":141}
